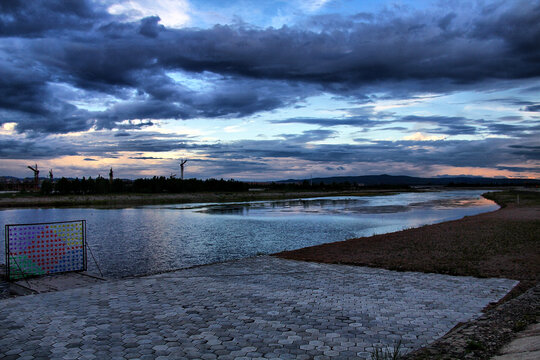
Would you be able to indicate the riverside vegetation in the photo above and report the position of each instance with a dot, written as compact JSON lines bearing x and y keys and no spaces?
{"x":100,"y":192}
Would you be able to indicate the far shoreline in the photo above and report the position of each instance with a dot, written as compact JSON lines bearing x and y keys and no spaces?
{"x":126,"y":200}
{"x":138,"y":199}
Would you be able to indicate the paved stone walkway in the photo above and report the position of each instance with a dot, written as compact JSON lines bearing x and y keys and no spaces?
{"x":252,"y":308}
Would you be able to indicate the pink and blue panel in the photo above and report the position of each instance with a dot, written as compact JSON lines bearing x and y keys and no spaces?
{"x":40,"y":249}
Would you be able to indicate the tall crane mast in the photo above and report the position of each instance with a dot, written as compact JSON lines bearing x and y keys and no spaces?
{"x":182,"y":163}
{"x":36,"y":177}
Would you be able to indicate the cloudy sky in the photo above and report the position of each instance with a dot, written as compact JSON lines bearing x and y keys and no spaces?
{"x":270,"y":89}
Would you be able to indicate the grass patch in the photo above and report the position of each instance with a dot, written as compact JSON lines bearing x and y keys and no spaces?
{"x":473,"y":345}
{"x":392,"y":353}
{"x":522,"y":323}
{"x":514,"y":197}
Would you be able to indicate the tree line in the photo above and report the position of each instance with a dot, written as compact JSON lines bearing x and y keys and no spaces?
{"x":155,"y":184}
{"x":161,"y":184}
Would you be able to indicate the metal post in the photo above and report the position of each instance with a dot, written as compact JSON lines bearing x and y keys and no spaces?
{"x":6,"y":243}
{"x":93,"y":257}
{"x":85,"y":267}
{"x":22,"y":273}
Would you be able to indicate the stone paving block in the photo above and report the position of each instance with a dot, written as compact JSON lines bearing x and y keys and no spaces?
{"x":260,"y":307}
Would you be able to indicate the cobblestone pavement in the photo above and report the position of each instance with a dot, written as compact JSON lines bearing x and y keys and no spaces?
{"x":251,"y":308}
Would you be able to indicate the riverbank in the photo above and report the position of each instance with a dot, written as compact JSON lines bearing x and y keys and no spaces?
{"x":127,"y":200}
{"x":504,"y":243}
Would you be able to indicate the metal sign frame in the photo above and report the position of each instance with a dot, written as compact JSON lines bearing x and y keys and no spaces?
{"x":11,"y":262}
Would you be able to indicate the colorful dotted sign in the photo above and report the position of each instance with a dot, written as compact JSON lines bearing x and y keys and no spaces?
{"x":38,"y":249}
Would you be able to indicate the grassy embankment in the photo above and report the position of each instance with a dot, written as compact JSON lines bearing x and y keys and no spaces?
{"x":133,"y":199}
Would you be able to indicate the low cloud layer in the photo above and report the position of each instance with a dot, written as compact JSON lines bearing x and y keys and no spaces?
{"x":228,"y":158}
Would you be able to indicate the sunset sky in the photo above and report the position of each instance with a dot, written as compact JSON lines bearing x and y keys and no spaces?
{"x":266,"y":90}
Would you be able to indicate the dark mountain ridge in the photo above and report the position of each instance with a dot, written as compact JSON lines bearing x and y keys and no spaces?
{"x":372,"y":180}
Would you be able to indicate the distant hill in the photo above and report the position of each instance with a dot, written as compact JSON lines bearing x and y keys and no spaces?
{"x":374,"y":180}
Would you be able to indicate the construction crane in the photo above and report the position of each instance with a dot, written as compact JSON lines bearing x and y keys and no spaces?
{"x":36,"y":177}
{"x":182,"y":163}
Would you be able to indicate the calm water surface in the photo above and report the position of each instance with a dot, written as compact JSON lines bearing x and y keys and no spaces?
{"x":149,"y":239}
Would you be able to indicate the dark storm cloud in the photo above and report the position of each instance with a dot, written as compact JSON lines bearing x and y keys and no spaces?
{"x":445,"y":124}
{"x":143,"y":145}
{"x":514,"y":168}
{"x":395,"y":128}
{"x":511,"y":118}
{"x":79,"y":44}
{"x":327,"y":122}
{"x":150,"y":27}
{"x":96,"y":144}
{"x":335,"y":168}
{"x":536,"y":148}
{"x":26,"y":99}
{"x":505,"y":129}
{"x":36,"y":17}
{"x":219,"y":168}
{"x":441,"y":153}
{"x":531,"y":89}
{"x":395,"y":47}
{"x":145,"y":158}
{"x":449,"y":125}
{"x":510,"y":101}
{"x":259,"y":155}
{"x":309,"y":135}
{"x":535,"y":108}
{"x":517,"y":130}
{"x":531,"y":152}
{"x":28,"y":149}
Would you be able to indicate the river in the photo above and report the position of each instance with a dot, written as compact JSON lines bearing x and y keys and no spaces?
{"x":149,"y":239}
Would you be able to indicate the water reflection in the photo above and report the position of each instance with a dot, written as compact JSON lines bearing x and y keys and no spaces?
{"x":338,"y":205}
{"x":159,"y":238}
{"x":315,"y":205}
